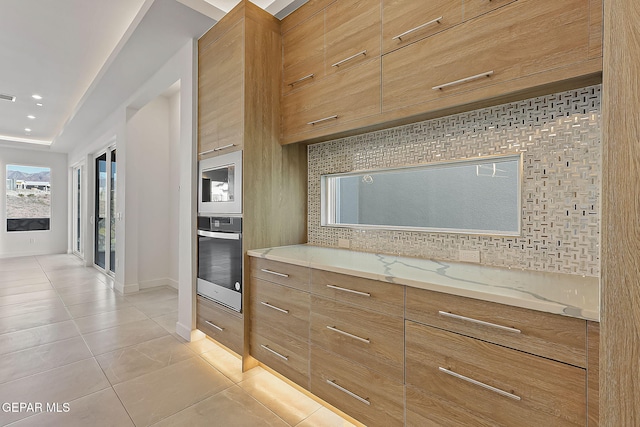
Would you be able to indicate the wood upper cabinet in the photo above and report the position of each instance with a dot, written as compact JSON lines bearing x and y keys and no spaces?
{"x":220,"y":92}
{"x":407,"y":21}
{"x":518,"y":40}
{"x":352,"y":33}
{"x":333,"y":101}
{"x":303,"y":53}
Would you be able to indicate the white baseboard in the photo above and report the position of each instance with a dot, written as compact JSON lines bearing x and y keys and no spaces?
{"x":30,"y":253}
{"x":187,"y":333}
{"x":126,"y":289}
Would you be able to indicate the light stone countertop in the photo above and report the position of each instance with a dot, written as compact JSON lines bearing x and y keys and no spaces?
{"x":564,"y":294}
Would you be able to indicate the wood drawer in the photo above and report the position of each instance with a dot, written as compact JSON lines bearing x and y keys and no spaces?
{"x":416,"y":19}
{"x":352,"y":33}
{"x":220,"y":323}
{"x":289,"y":358}
{"x":372,"y":294}
{"x":303,"y":53}
{"x":548,"y":335}
{"x":511,"y":387}
{"x":367,"y":337}
{"x":335,"y":100}
{"x":521,"y":39}
{"x":473,"y":8}
{"x":278,"y":311}
{"x":366,"y":395}
{"x":280,"y":272}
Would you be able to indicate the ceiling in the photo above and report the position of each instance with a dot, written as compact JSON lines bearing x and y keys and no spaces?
{"x":85,"y":57}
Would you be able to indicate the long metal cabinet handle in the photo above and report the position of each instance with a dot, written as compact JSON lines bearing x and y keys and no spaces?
{"x":419,"y":27}
{"x":218,"y":235}
{"x":350,"y":393}
{"x":216,"y":149}
{"x":338,"y":288}
{"x":323,"y":120}
{"x":355,"y":337}
{"x":339,"y":63}
{"x":479,"y":322}
{"x":266,"y":347}
{"x":281,"y":310}
{"x":301,"y":79}
{"x":264,"y":270}
{"x":478,"y":383}
{"x":465,"y":80}
{"x":214,"y":326}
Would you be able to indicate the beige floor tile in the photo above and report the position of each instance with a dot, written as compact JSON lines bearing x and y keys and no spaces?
{"x":122,"y":336}
{"x":74,"y":275}
{"x":80,"y":298}
{"x":26,"y":297}
{"x":200,"y":346}
{"x":16,"y":290}
{"x":132,"y":362}
{"x":59,"y":385}
{"x":58,"y":261}
{"x":34,"y":319}
{"x":109,"y":319}
{"x":162,"y":393}
{"x":21,"y":282}
{"x":91,"y":308}
{"x":157,"y":308}
{"x":231,"y":407}
{"x":18,"y":263}
{"x":167,"y":321}
{"x":76,"y":283}
{"x":100,"y":409}
{"x":152,"y":295}
{"x":91,"y":286}
{"x":42,"y":358}
{"x":323,"y":417}
{"x":30,"y":273}
{"x":228,"y":364}
{"x":33,"y":337}
{"x":30,"y":307}
{"x":287,"y":402}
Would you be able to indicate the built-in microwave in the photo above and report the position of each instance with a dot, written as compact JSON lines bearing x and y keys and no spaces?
{"x":220,"y":184}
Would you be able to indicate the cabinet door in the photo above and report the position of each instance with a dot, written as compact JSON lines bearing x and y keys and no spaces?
{"x":473,"y":8}
{"x":338,"y":99}
{"x":352,"y":33}
{"x":518,"y":40}
{"x":407,"y":21}
{"x":303,"y":53}
{"x":221,"y":93}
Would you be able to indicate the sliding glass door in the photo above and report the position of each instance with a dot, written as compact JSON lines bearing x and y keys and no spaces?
{"x":77,"y":243}
{"x":105,"y":208}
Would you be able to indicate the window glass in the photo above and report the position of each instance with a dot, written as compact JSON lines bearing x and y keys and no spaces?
{"x":28,"y":198}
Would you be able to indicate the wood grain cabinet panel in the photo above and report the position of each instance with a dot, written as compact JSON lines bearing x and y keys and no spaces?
{"x":366,"y":395}
{"x":501,"y":386}
{"x":375,"y":295}
{"x":518,"y":40}
{"x":220,"y":323}
{"x":303,"y":53}
{"x":280,"y":272}
{"x":333,"y":102}
{"x":220,"y":92}
{"x":474,"y":8}
{"x":415,"y":20}
{"x":593,"y":373}
{"x":289,"y":357}
{"x":370,"y":338}
{"x":549,"y":335}
{"x":352,"y":33}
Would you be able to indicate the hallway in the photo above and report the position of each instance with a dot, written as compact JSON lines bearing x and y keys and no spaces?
{"x":73,"y":352}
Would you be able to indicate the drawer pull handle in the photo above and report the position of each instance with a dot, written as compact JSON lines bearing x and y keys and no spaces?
{"x":301,"y":79}
{"x":214,"y":326}
{"x":479,"y":322}
{"x":465,"y":80}
{"x":478,"y":383}
{"x":338,"y":288}
{"x":419,"y":27}
{"x":355,"y":337}
{"x":281,"y":310}
{"x":266,"y":347}
{"x":350,"y":393}
{"x":323,"y":120}
{"x":264,"y":270}
{"x":339,"y":63}
{"x":224,"y":147}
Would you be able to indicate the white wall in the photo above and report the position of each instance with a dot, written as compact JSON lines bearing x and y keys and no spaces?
{"x":52,"y":241}
{"x":174,"y":186}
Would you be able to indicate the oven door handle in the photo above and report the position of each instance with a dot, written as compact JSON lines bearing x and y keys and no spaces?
{"x":215,"y":235}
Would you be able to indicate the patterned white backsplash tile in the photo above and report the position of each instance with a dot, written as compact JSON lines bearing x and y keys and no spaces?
{"x":559,"y":137}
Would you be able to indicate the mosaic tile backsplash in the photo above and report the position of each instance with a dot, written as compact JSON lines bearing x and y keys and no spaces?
{"x":559,"y":137}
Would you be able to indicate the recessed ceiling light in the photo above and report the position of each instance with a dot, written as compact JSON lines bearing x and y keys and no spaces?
{"x":30,"y":116}
{"x":27,"y":130}
{"x":36,"y":96}
{"x":39,"y":104}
